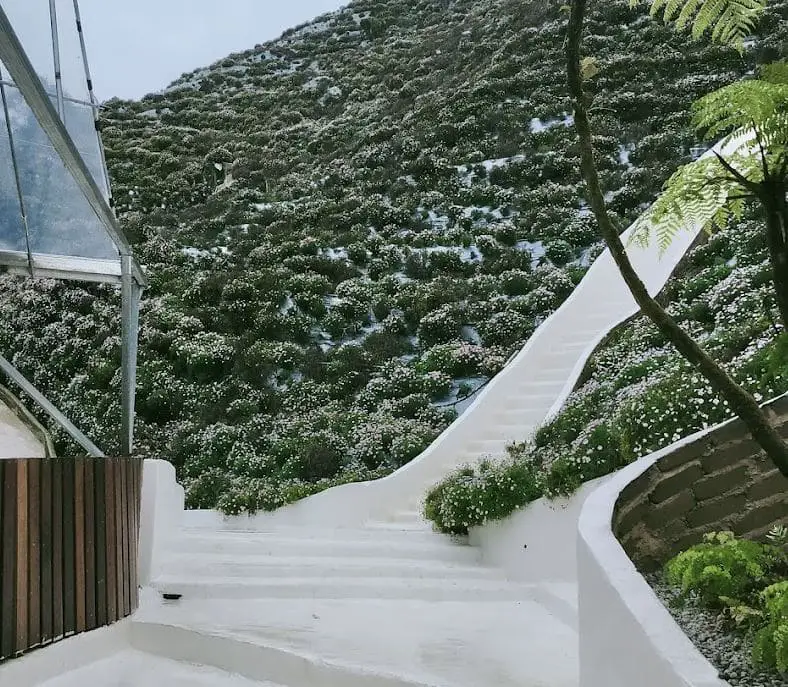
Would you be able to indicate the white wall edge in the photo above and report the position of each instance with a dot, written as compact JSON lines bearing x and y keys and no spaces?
{"x":646,"y":632}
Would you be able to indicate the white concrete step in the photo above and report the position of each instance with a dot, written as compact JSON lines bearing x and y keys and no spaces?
{"x":427,"y":589}
{"x":256,"y":544}
{"x":270,"y":567}
{"x":404,"y":533}
{"x":392,"y":642}
{"x":411,"y":516}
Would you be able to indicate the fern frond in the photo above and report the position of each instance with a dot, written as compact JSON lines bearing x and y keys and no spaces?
{"x":697,"y":196}
{"x":728,"y":21}
{"x":741,"y":105}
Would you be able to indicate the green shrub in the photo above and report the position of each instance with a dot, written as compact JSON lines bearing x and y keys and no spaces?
{"x":724,"y":569}
{"x":770,"y":648}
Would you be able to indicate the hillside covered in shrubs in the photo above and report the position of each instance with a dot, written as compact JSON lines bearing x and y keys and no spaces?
{"x":350,"y":229}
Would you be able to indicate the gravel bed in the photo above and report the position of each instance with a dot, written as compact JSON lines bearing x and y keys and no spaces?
{"x":728,"y":652}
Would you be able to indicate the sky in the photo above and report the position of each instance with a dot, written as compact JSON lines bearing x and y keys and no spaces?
{"x":137,"y":47}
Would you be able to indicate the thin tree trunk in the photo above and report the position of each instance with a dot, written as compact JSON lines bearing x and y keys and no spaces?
{"x":741,"y":402}
{"x":777,"y":240}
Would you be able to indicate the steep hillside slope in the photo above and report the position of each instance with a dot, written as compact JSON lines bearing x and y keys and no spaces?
{"x":351,"y":228}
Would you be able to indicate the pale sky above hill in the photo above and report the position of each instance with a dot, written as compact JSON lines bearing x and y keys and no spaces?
{"x":140,"y":46}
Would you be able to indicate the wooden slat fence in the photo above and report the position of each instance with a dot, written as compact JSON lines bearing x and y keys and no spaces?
{"x":68,"y":547}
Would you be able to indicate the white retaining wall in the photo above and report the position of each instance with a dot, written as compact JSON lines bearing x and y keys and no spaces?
{"x":627,"y":636}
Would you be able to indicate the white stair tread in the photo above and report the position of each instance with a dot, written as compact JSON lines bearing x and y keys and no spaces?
{"x":272,"y":566}
{"x":436,"y":589}
{"x":137,"y":669}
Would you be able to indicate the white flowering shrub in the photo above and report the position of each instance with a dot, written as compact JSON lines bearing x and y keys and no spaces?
{"x":441,"y":325}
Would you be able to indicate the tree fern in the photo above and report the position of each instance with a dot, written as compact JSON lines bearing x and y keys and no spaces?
{"x":750,"y":121}
{"x":728,"y":21}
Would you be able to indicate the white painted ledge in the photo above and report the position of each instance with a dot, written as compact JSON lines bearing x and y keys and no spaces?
{"x":161,"y":516}
{"x":627,"y":636}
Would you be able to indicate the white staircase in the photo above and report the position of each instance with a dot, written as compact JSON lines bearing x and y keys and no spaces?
{"x":382,"y":604}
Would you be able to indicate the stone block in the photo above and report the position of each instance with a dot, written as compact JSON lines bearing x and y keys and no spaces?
{"x":671,"y":509}
{"x":632,"y":514}
{"x":637,"y":488}
{"x":780,"y":406}
{"x":762,"y":515}
{"x":766,"y":485}
{"x":717,"y":512}
{"x":728,"y":455}
{"x":680,"y":479}
{"x":718,"y":483}
{"x":684,"y":455}
{"x":731,"y":431}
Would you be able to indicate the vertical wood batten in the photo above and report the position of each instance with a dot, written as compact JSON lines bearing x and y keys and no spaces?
{"x":34,"y":552}
{"x":69,"y":533}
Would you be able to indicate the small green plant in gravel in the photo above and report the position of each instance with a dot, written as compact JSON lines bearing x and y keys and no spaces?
{"x":724,"y":569}
{"x":745,"y":581}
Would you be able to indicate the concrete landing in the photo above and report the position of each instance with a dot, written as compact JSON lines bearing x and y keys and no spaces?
{"x":441,"y":644}
{"x":397,"y":601}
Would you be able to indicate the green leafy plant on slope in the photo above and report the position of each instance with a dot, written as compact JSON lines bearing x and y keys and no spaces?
{"x":723,"y":569}
{"x":770,"y":648}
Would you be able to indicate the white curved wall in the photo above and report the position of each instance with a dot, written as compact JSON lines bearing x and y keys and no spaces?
{"x":627,"y":636}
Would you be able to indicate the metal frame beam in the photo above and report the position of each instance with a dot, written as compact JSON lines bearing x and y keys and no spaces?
{"x":13,"y":55}
{"x":130,"y":316}
{"x":61,"y":267}
{"x":18,"y":378}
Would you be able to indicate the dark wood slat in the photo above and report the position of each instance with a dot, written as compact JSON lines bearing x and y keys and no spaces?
{"x":22,"y":561}
{"x":119,"y":537}
{"x":34,"y":552}
{"x":69,"y":552}
{"x":57,"y":549}
{"x":8,"y":561}
{"x":124,"y":487}
{"x":112,"y":550}
{"x":99,"y":500}
{"x":79,"y":541}
{"x":90,"y":544}
{"x":45,"y":518}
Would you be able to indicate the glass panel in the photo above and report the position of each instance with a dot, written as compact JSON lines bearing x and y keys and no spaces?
{"x":72,"y":66}
{"x":12,"y":233}
{"x":30,"y":19}
{"x":81,"y":124}
{"x":60,"y":220}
